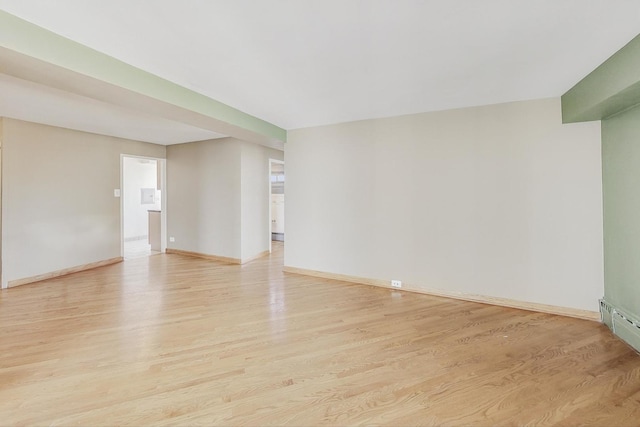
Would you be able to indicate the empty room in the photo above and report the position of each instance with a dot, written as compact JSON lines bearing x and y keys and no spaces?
{"x":338,"y":212}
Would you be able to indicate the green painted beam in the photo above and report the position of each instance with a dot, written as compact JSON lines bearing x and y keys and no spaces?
{"x":612,"y":87}
{"x":36,"y":42}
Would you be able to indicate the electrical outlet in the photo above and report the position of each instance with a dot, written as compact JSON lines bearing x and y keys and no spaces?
{"x":396,"y":283}
{"x":172,"y":239}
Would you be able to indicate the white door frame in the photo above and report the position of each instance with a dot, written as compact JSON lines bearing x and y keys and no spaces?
{"x":163,"y":199}
{"x":280,"y":162}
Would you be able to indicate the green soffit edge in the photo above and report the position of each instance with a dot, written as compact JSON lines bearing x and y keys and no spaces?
{"x":36,"y":42}
{"x":612,"y":87}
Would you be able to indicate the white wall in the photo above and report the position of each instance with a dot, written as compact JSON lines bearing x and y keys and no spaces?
{"x":500,"y":201}
{"x":203,"y":197}
{"x":59,"y":210}
{"x":138,"y":174}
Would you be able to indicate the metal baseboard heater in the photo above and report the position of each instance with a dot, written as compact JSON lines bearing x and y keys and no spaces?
{"x":623,"y":325}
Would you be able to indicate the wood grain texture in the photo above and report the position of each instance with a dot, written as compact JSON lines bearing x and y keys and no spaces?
{"x":64,"y":272}
{"x":177,"y":340}
{"x":504,"y":302}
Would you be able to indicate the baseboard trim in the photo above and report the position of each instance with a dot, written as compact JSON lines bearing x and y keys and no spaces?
{"x":503,"y":302}
{"x":63,"y":272}
{"x":255,"y":257}
{"x":204,"y":256}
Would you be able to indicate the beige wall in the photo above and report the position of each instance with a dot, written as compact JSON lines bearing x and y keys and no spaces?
{"x":203,"y":197}
{"x":218,"y":197}
{"x":59,"y":210}
{"x":499,"y":200}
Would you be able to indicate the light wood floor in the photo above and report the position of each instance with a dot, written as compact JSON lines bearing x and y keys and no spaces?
{"x":171,"y":340}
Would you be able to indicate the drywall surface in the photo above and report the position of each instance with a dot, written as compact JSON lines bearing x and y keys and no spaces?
{"x":59,"y":209}
{"x":136,"y":175}
{"x":203,"y":197}
{"x":218,"y":197}
{"x":621,"y":178}
{"x":256,"y":231}
{"x":500,"y":200}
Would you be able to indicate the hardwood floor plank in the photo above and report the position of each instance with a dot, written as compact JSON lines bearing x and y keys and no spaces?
{"x":175,"y":340}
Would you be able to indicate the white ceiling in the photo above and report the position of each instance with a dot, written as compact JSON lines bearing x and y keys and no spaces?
{"x":299,"y":63}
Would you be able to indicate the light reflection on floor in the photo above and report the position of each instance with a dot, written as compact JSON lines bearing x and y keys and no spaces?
{"x":138,"y":249}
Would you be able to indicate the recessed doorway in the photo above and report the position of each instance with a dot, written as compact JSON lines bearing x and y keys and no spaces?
{"x":276,"y":201}
{"x":142,"y":207}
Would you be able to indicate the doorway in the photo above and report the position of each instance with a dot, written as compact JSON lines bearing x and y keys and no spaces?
{"x":142,"y":200}
{"x":276,"y":201}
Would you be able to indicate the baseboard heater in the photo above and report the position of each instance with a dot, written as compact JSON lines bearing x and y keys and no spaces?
{"x":623,"y":325}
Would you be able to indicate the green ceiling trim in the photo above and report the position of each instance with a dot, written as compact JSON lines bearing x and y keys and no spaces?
{"x":612,"y":87}
{"x":28,"y":39}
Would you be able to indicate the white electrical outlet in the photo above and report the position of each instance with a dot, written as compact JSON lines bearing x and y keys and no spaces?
{"x":396,"y":283}
{"x":172,"y":239}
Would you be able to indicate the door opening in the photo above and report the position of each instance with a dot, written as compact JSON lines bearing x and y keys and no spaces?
{"x":142,"y":202}
{"x":276,"y":201}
